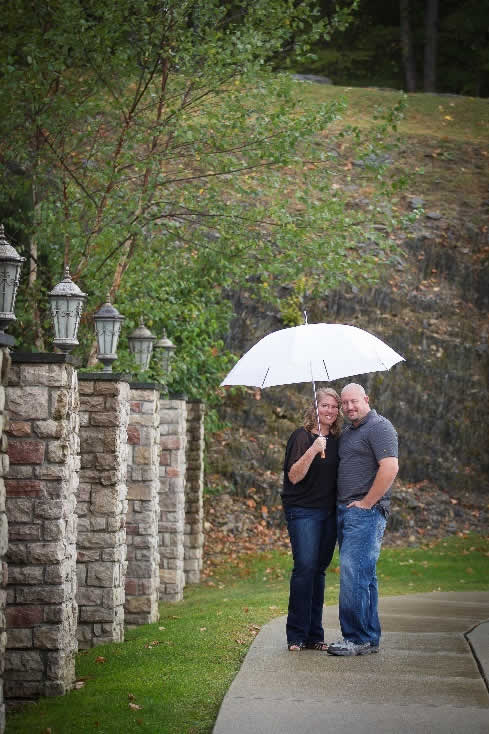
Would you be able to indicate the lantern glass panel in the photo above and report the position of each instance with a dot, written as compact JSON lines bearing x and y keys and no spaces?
{"x":9,"y":281}
{"x":108,"y":331}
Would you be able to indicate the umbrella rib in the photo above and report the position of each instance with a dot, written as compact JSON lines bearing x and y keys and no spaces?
{"x":266,"y":375}
{"x":326,"y":370}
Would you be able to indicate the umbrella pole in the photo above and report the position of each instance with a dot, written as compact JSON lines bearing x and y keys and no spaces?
{"x":323,"y":455}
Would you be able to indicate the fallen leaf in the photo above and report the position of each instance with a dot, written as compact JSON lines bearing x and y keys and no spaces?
{"x":162,"y":628}
{"x":135,"y":706}
{"x":203,"y":629}
{"x":100,"y":659}
{"x":79,"y":684}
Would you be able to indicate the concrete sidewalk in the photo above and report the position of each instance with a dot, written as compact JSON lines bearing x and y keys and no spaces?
{"x":426,"y":679}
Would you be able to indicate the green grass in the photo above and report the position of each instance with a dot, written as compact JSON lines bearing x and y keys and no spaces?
{"x":437,"y":116}
{"x":179,"y":669}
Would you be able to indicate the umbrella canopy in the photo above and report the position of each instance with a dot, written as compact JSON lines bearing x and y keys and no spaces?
{"x":312,"y":352}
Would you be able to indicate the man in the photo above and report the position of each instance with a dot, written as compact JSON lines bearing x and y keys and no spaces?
{"x":368,"y":466}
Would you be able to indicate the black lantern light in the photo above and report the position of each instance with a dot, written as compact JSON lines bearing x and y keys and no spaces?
{"x":66,"y":301}
{"x":108,"y":323}
{"x":10,"y":264}
{"x":141,"y":345}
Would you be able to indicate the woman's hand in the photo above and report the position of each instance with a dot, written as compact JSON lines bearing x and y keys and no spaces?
{"x":319,"y":444}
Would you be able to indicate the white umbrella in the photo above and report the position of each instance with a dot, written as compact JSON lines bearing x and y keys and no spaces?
{"x":312,"y":352}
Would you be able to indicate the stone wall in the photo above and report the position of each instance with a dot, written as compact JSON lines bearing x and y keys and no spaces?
{"x":42,"y":402}
{"x":102,"y":508}
{"x":97,"y":517}
{"x":194,"y":486}
{"x":143,"y":437}
{"x":4,"y":370}
{"x":173,"y":418}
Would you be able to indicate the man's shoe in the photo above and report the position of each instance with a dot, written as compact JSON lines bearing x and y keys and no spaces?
{"x":346,"y":647}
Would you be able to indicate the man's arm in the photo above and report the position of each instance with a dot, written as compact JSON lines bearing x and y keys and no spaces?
{"x":386,"y":474}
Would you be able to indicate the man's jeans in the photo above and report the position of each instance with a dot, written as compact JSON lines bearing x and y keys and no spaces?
{"x":360,"y":535}
{"x":312,"y":535}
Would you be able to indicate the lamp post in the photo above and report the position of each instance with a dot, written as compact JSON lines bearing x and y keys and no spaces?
{"x":10,"y":264}
{"x":108,"y":323}
{"x":66,"y":301}
{"x":164,"y":353}
{"x":141,"y":345}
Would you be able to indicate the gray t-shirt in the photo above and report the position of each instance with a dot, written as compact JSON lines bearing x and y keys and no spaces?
{"x":360,"y":450}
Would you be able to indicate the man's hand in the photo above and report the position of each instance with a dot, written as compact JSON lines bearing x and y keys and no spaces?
{"x":360,"y":503}
{"x":386,"y":474}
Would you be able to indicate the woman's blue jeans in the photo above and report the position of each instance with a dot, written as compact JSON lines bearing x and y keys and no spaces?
{"x":312,"y":535}
{"x":360,"y":534}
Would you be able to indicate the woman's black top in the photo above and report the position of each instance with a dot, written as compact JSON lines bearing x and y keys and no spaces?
{"x":318,"y":488}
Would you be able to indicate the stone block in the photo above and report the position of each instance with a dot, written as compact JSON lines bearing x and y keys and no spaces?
{"x":40,"y":594}
{"x":26,"y":452}
{"x":49,"y":509}
{"x":48,"y":637}
{"x":85,"y":387}
{"x":137,"y":604}
{"x":106,"y":461}
{"x":50,"y":472}
{"x":60,"y":404}
{"x":23,"y":616}
{"x":27,"y":403}
{"x":19,"y":509}
{"x":19,"y":638}
{"x":139,"y":491}
{"x":102,"y":574}
{"x":89,"y":403}
{"x":46,"y":552}
{"x":24,"y":532}
{"x":19,"y":428}
{"x":133,"y":435}
{"x":54,"y":529}
{"x":48,"y":429}
{"x":89,"y":596}
{"x":96,"y":614}
{"x":57,"y":451}
{"x":171,"y":442}
{"x":25,"y":574}
{"x":104,"y":419}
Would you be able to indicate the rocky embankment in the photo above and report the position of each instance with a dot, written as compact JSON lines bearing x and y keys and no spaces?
{"x":421,"y":513}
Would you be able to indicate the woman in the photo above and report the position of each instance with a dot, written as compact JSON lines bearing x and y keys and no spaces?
{"x":309,"y":498}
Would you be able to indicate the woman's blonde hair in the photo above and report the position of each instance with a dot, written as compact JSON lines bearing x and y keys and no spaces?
{"x":310,"y":420}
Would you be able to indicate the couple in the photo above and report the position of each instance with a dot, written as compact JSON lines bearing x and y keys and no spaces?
{"x":344,"y":495}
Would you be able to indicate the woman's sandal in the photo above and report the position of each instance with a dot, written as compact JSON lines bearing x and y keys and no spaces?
{"x":296,"y":646}
{"x":321,"y":646}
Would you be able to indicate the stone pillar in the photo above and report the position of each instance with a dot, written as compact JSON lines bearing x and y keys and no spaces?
{"x":143,"y":438}
{"x":194,"y":492}
{"x":173,"y":419}
{"x":43,"y":407}
{"x":4,"y":370}
{"x":102,"y":507}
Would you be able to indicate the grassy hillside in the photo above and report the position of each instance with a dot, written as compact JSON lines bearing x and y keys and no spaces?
{"x":431,"y":305}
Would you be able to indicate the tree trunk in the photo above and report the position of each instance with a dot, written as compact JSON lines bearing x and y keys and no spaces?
{"x":430,"y":45}
{"x":32,"y":278}
{"x":408,"y":59}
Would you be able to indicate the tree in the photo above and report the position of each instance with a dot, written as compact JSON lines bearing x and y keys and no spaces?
{"x":408,"y":57}
{"x":156,"y":147}
{"x":430,"y":45}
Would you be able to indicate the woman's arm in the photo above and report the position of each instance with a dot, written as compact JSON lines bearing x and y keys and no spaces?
{"x":299,"y":470}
